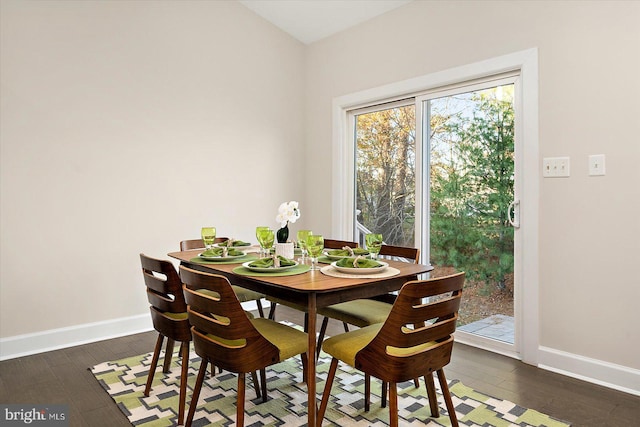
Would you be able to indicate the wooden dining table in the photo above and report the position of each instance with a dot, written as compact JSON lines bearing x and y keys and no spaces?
{"x":312,"y":289}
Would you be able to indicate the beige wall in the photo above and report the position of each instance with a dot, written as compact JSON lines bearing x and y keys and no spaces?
{"x":126,"y":126}
{"x":589,"y":63}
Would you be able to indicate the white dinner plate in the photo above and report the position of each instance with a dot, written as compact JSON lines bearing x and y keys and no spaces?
{"x":268,"y":269}
{"x":339,"y":257}
{"x":220,"y":258}
{"x":246,"y":245}
{"x":353,"y":270}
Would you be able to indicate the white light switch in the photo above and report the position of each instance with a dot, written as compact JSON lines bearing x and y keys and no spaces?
{"x":596,"y":165}
{"x":556,"y":167}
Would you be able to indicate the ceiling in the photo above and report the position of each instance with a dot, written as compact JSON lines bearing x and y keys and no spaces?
{"x":312,"y":20}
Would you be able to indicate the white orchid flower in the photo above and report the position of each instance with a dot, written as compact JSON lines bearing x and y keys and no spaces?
{"x":288,"y":212}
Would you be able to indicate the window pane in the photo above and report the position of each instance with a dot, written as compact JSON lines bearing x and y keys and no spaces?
{"x":385,"y":175}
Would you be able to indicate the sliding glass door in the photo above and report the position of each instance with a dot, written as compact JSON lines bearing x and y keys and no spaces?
{"x":437,"y":171}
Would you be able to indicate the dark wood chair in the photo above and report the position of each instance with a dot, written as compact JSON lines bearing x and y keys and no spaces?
{"x":169,"y":316}
{"x":365,"y":312}
{"x":224,"y":335}
{"x":328,"y":244}
{"x":396,"y":352}
{"x":338,"y":244}
{"x":244,"y":295}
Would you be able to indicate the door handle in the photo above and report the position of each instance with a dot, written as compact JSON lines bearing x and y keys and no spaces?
{"x":513,"y":213}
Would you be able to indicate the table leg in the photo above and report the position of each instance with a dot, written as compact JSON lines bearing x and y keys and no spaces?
{"x":311,"y":357}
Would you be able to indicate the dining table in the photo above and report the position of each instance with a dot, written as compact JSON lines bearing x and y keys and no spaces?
{"x":312,"y":289}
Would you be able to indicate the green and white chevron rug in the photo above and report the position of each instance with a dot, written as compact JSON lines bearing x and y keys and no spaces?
{"x":125,"y":379}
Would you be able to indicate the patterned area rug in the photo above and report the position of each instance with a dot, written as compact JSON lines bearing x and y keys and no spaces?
{"x":124,"y":380}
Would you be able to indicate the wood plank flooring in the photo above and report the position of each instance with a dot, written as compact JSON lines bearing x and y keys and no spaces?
{"x":63,"y":377}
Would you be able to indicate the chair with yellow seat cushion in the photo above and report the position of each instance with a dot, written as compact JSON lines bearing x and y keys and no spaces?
{"x":169,"y":317}
{"x":415,"y":340}
{"x":365,"y":312}
{"x":224,"y":335}
{"x":244,"y":295}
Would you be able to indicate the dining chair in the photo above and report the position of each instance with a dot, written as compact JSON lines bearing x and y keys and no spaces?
{"x":169,"y":317}
{"x":365,"y":312}
{"x":224,"y":335}
{"x":244,"y":295}
{"x":328,"y":244}
{"x":415,"y":340}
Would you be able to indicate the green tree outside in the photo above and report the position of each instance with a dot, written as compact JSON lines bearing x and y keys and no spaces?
{"x":472,"y":177}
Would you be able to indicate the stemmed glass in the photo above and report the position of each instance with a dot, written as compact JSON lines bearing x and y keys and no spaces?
{"x":208,"y":236}
{"x":265,"y":237}
{"x":302,"y":242}
{"x":374,"y":243}
{"x":315,"y":246}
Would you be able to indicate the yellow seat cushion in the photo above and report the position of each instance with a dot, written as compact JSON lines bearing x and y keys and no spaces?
{"x":245,"y":295}
{"x":290,"y":341}
{"x":361,"y":312}
{"x":346,"y":346}
{"x":176,"y":316}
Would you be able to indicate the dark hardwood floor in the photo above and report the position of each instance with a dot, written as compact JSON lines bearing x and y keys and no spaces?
{"x":63,"y":377}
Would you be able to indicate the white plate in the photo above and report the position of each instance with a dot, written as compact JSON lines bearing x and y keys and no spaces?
{"x":339,"y":257}
{"x":220,"y":258}
{"x":267,"y":269}
{"x":218,"y":245}
{"x":353,"y":270}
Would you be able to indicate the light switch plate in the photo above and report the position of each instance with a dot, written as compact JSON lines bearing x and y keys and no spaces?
{"x":556,"y":167}
{"x":596,"y":165}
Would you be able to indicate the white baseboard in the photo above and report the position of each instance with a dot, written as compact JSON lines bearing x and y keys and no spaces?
{"x":55,"y":339}
{"x":595,"y":371}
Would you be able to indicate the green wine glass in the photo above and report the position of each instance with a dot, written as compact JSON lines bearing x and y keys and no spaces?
{"x":261,"y":252}
{"x":374,"y":243}
{"x":265,"y":237}
{"x":315,"y":246}
{"x":302,"y":242}
{"x":208,"y":236}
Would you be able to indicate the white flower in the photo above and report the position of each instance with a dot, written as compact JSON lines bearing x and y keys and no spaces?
{"x":288,"y":212}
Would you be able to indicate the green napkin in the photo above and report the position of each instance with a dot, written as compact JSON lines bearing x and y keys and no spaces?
{"x":234,"y":243}
{"x":345,"y":252}
{"x":268,"y":262}
{"x":213,"y":252}
{"x":361,"y":263}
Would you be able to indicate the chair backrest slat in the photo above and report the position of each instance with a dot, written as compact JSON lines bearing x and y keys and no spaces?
{"x":400,"y":253}
{"x":186,"y":245}
{"x":338,"y":244}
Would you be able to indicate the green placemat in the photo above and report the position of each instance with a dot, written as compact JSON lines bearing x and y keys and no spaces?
{"x":198,"y":260}
{"x":298,"y":269}
{"x":325,"y":259}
